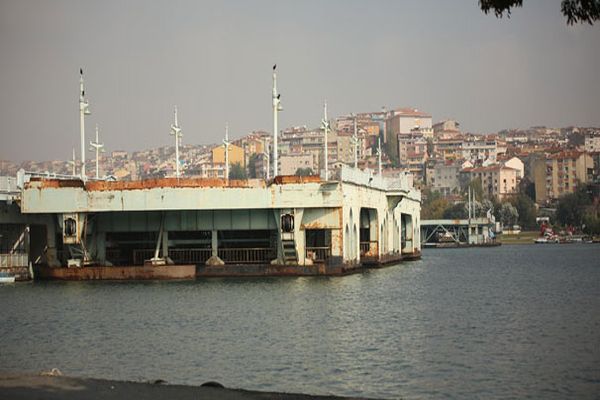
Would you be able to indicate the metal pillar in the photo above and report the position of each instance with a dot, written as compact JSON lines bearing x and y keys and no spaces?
{"x":276,"y":109}
{"x":84,"y":110}
{"x":176,"y":131}
{"x":325,"y":126}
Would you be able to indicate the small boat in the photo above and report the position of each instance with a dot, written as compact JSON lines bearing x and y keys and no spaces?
{"x":545,"y":240}
{"x":5,"y":277}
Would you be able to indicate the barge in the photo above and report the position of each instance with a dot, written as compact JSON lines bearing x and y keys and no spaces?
{"x":166,"y":228}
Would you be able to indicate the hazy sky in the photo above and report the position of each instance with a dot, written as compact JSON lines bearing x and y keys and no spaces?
{"x":213,"y":59}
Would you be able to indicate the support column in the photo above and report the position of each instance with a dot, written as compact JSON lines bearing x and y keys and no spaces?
{"x":214,"y":250}
{"x":165,"y":245}
{"x":214,"y":244}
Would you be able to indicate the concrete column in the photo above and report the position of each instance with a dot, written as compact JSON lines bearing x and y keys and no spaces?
{"x":165,"y":244}
{"x":299,"y":236}
{"x":277,"y":215}
{"x":214,"y":244}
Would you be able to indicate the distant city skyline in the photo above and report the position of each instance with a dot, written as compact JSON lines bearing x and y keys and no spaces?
{"x":213,"y":60}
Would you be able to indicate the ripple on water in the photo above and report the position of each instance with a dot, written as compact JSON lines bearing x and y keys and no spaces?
{"x":502,"y":322}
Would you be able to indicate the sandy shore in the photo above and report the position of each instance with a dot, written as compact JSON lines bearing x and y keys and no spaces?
{"x":22,"y":386}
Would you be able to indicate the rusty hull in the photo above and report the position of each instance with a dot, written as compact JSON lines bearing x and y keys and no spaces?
{"x":163,"y":272}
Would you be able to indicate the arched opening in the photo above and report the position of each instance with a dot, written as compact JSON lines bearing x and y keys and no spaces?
{"x":406,"y":233}
{"x":369,"y":233}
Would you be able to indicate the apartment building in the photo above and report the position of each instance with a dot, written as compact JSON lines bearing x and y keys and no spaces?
{"x":496,"y":180}
{"x":561,"y":173}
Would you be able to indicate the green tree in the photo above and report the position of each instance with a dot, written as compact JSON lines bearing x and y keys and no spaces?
{"x":237,"y":172}
{"x":435,"y":208}
{"x":576,"y":11}
{"x":252,"y":165}
{"x":572,"y":207}
{"x":508,"y":214}
{"x":527,"y":211}
{"x":477,"y":189}
{"x":457,"y":211}
{"x":304,"y":172}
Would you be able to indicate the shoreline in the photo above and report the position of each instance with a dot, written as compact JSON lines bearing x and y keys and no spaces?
{"x":53,"y":385}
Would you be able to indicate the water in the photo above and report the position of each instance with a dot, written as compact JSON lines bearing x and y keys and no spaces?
{"x":505,"y":322}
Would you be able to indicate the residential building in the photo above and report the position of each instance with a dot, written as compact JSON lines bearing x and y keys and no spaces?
{"x":445,"y":178}
{"x":404,"y":121}
{"x":561,"y":173}
{"x":496,"y":180}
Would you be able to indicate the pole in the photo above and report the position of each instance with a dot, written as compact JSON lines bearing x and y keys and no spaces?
{"x":355,"y":139}
{"x":276,"y":108}
{"x":176,"y":131}
{"x":226,"y":143}
{"x":379,"y":154}
{"x":325,"y":124}
{"x":83,"y":111}
{"x":99,"y":148}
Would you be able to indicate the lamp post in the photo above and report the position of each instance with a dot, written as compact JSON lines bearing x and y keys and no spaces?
{"x":84,"y":109}
{"x":99,"y":147}
{"x":277,"y":107}
{"x":176,"y":131}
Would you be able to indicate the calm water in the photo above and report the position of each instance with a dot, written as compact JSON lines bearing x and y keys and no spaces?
{"x":507,"y":322}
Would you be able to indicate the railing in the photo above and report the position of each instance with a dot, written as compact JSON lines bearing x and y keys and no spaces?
{"x":258,"y":255}
{"x":14,"y":260}
{"x":190,"y":256}
{"x":368,"y":248}
{"x":318,"y":254}
{"x":179,"y":256}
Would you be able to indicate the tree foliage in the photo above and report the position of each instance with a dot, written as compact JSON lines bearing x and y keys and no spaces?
{"x":304,"y":172}
{"x":433,"y":206}
{"x":526,"y":209}
{"x":571,"y":207}
{"x":237,"y":172}
{"x":508,"y":214}
{"x":576,"y":11}
{"x":252,"y":165}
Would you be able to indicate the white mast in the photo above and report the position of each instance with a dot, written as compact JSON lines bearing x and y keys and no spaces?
{"x":355,"y":141}
{"x":226,"y":143}
{"x":99,"y":147}
{"x":176,"y":131}
{"x":266,"y":154}
{"x":379,"y":154}
{"x":84,"y":110}
{"x":325,"y":126}
{"x":276,"y":108}
{"x":73,"y":163}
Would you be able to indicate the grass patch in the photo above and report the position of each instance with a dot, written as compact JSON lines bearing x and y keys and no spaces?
{"x":522,"y":238}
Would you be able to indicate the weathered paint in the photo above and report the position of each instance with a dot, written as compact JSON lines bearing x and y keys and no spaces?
{"x":118,"y":272}
{"x":217,"y":205}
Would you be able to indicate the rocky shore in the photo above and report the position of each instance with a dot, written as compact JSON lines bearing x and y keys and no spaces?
{"x":51,"y":386}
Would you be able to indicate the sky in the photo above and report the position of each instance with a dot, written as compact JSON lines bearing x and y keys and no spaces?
{"x":213,"y":60}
